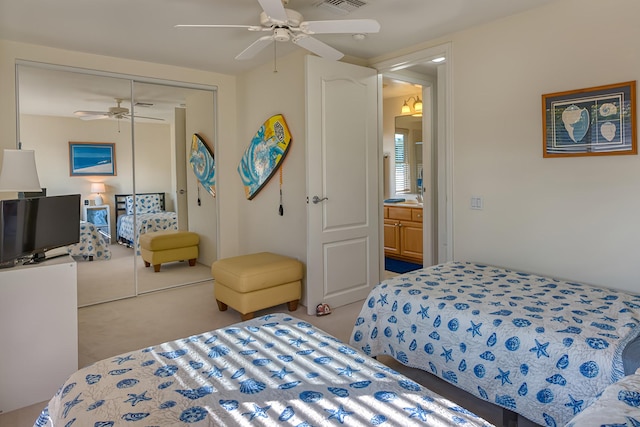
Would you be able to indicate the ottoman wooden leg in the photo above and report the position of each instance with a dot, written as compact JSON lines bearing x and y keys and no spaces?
{"x":192,"y":262}
{"x":221,"y":306}
{"x":147,"y":264}
{"x":156,"y":267}
{"x":247,"y":316}
{"x":293,"y":305}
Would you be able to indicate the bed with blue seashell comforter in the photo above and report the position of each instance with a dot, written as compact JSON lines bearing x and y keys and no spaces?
{"x":92,"y":245}
{"x":273,"y":370}
{"x":541,"y":347}
{"x":150,"y":215}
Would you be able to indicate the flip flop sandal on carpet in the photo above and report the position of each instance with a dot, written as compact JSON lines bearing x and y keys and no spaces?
{"x":323,"y":310}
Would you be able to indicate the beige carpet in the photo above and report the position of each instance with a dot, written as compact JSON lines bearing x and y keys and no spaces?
{"x":117,"y":327}
{"x":108,"y":280}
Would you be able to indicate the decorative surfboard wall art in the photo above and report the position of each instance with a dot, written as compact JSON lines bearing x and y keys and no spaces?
{"x":264,"y":155}
{"x":203,"y":164}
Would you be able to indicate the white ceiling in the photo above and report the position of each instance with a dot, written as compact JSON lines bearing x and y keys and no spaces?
{"x":144,"y":30}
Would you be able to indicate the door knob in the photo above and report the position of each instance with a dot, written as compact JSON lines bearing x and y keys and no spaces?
{"x":317,"y":199}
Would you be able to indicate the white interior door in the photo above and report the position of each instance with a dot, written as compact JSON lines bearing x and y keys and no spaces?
{"x":343,"y":252}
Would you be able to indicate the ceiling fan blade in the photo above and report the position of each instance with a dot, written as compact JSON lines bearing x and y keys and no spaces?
{"x":274,"y":10}
{"x":249,"y":27}
{"x":96,"y":117}
{"x":255,"y":47}
{"x":91,"y":115}
{"x":352,"y":26}
{"x":316,"y":46}
{"x":143,"y":117}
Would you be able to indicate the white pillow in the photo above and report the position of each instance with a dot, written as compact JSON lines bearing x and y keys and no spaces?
{"x":619,"y":404}
{"x":145,"y":203}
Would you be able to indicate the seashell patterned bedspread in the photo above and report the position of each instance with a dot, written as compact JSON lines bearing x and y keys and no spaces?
{"x":541,"y":347}
{"x":271,"y":371}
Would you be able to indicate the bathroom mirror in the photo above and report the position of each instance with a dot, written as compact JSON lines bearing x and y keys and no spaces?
{"x":408,"y":155}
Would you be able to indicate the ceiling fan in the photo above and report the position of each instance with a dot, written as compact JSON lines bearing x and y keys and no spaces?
{"x":286,"y":24}
{"x":117,"y":112}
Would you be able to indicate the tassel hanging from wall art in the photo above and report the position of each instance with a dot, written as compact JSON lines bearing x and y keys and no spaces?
{"x":281,"y":209}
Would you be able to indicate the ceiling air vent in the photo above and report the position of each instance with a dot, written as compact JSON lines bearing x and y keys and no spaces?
{"x":143,"y":104}
{"x":342,"y":7}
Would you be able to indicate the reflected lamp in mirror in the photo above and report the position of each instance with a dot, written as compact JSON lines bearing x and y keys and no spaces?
{"x":19,"y":171}
{"x":98,"y":187}
{"x":417,"y":106}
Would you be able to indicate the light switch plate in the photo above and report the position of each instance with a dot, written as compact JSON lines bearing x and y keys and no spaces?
{"x":477,"y":202}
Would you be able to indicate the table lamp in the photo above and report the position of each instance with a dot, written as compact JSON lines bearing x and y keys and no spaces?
{"x":19,"y":171}
{"x":98,"y":187}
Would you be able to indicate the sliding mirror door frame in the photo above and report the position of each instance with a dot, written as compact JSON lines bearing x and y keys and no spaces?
{"x":57,"y":96}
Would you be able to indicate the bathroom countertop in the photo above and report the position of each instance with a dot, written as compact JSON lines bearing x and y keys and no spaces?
{"x":407,"y":204}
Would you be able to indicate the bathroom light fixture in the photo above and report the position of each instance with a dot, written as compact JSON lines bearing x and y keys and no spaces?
{"x":19,"y":171}
{"x":439,"y":59}
{"x":98,"y":187}
{"x":417,"y":105}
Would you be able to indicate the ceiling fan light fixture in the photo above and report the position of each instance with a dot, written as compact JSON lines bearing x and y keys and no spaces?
{"x":281,"y":35}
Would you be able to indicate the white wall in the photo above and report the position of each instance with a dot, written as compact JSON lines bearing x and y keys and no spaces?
{"x":50,"y":137}
{"x":573,"y":218}
{"x":261,"y":94}
{"x":10,"y":52}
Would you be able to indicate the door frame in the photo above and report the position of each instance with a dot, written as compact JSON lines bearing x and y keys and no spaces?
{"x":440,"y":192}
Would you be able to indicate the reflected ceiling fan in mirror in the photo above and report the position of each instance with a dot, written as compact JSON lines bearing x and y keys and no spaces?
{"x":288,"y":25}
{"x":118,"y":112}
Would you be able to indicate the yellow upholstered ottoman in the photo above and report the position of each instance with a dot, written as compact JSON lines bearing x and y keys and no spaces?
{"x":254,"y":282}
{"x":159,"y":247}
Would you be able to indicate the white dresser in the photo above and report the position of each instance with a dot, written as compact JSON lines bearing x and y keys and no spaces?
{"x":38,"y":331}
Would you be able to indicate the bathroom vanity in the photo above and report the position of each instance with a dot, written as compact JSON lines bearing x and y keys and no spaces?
{"x":403,"y":231}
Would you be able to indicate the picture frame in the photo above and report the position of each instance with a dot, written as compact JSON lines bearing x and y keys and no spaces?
{"x":92,"y":159}
{"x":596,"y":121}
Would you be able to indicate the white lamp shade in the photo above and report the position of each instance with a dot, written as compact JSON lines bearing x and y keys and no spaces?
{"x":19,"y":171}
{"x":97,"y":187}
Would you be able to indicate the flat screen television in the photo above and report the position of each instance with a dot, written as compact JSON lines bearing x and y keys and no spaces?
{"x":32,"y":226}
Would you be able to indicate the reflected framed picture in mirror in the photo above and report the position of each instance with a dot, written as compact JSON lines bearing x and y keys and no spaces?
{"x":92,"y":159}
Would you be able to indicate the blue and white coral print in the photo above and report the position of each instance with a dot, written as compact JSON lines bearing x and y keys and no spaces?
{"x":541,"y":347}
{"x":272,"y":371}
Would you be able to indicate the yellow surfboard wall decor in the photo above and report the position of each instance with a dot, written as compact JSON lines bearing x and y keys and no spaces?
{"x":203,"y":163}
{"x":264,"y":154}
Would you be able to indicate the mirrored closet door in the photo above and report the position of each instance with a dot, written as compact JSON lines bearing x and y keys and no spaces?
{"x":64,"y":111}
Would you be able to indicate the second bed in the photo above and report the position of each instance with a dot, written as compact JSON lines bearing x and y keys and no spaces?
{"x":541,"y":347}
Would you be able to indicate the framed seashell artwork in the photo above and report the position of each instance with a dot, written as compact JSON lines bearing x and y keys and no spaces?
{"x":594,"y":121}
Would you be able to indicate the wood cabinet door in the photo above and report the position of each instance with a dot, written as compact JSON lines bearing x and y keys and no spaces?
{"x":411,"y":240}
{"x":391,"y":237}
